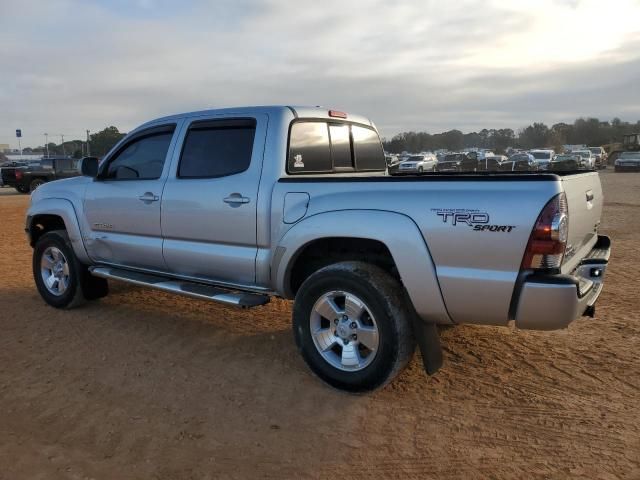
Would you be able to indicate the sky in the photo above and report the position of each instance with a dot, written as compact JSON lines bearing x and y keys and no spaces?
{"x":424,"y":65}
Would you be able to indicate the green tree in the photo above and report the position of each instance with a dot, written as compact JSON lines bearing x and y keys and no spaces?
{"x":104,"y":140}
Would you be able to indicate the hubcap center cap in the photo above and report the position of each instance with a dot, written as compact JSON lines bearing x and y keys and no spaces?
{"x":344,"y":330}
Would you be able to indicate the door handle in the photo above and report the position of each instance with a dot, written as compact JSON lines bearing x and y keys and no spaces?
{"x":235,"y":199}
{"x":149,"y":197}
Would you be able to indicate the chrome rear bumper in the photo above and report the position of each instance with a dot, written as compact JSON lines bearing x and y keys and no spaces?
{"x":550,"y":302}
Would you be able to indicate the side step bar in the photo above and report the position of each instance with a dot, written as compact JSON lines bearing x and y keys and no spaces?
{"x":181,"y":287}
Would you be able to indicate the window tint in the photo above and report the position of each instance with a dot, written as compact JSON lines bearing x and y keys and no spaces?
{"x":217,"y":149}
{"x":142,"y":159}
{"x":340,"y":146}
{"x":309,"y":148}
{"x":368,"y":149}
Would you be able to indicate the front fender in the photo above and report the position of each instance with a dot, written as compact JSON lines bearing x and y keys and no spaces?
{"x":63,"y":209}
{"x":398,"y":232}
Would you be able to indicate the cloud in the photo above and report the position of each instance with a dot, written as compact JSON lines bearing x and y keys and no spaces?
{"x":69,"y":65}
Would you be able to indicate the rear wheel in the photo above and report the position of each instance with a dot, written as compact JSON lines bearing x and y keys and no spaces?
{"x":35,"y":184}
{"x":62,"y":281}
{"x":352,"y":326}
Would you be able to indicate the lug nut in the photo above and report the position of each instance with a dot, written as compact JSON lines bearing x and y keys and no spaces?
{"x":354,"y":336}
{"x":353,"y":325}
{"x":345,"y":341}
{"x":335,"y":321}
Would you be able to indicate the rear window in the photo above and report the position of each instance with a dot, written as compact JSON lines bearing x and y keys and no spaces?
{"x":322,"y":147}
{"x":368,"y":149}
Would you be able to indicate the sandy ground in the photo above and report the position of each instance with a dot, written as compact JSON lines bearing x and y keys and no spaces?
{"x":148,"y":385}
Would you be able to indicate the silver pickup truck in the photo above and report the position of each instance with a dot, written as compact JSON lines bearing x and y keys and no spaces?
{"x":238,"y":205}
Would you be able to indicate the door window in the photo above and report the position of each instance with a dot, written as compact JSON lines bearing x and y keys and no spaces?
{"x":215,"y":149}
{"x":141,"y":159}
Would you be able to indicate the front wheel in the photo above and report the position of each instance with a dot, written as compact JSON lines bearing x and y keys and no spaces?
{"x":22,"y":189}
{"x":352,"y":326}
{"x":61,"y":280}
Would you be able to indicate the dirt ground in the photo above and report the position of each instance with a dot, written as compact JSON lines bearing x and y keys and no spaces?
{"x":148,"y":385}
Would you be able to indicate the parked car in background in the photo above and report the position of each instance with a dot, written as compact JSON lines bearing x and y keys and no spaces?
{"x":566,"y":162}
{"x":520,"y":162}
{"x":627,"y":161}
{"x":393,"y":161}
{"x":492,"y":163}
{"x":542,"y":157}
{"x":459,"y":162}
{"x":600,"y":156}
{"x":587,"y":159}
{"x":425,"y":162}
{"x":27,"y":178}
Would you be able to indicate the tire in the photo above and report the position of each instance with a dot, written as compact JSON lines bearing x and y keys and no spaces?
{"x":35,"y":184}
{"x":385,"y":311}
{"x":22,"y":189}
{"x":420,"y":170}
{"x":71,"y":283}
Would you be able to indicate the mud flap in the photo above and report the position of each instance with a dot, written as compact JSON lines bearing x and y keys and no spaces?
{"x":426,"y":335}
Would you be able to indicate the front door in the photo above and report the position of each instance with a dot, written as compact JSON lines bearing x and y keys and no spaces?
{"x":122,"y":205}
{"x":209,"y":202}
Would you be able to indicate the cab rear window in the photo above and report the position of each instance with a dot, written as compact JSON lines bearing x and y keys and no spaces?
{"x":327,"y":147}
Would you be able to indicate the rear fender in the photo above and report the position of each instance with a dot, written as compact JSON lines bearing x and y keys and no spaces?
{"x":398,"y":232}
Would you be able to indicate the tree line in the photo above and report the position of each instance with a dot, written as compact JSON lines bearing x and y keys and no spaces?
{"x":588,"y":131}
{"x":99,"y":144}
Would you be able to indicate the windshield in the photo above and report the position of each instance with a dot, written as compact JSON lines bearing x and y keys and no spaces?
{"x":541,"y":155}
{"x":453,"y":158}
{"x":595,"y":150}
{"x":630,"y":156}
{"x":415,"y":158}
{"x":583,"y":153}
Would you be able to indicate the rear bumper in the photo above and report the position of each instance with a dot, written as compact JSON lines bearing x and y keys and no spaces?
{"x":550,"y":302}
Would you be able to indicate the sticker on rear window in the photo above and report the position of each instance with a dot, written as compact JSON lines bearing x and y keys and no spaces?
{"x":297,"y":161}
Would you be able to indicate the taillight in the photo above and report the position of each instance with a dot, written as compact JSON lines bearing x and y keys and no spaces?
{"x":548,"y":239}
{"x":18,"y":175}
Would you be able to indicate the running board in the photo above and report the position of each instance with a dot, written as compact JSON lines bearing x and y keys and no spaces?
{"x":181,"y":287}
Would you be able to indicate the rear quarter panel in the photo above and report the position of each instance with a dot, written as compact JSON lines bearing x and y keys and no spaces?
{"x":476,"y":269}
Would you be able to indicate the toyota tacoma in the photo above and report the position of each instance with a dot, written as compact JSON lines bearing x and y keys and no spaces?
{"x":238,"y":205}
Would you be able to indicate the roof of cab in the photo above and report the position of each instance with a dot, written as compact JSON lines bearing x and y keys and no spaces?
{"x":296,"y":111}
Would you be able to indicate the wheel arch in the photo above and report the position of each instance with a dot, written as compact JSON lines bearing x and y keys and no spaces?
{"x":55,"y":214}
{"x":390,"y":233}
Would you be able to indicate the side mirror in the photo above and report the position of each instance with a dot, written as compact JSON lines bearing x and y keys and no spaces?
{"x":89,"y":167}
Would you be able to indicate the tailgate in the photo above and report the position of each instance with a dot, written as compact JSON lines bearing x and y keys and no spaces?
{"x":584,"y":201}
{"x":8,"y":175}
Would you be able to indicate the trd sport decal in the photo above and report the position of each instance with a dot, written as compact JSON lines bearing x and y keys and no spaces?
{"x":477,"y":220}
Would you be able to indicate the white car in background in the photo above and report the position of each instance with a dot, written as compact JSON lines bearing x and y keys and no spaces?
{"x":542,"y":157}
{"x":587,"y":159}
{"x":424,"y":162}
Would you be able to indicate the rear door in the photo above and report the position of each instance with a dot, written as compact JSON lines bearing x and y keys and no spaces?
{"x":210,"y":199}
{"x":122,"y":205}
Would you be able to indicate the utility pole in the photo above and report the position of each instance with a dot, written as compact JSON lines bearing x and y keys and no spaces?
{"x":19,"y":135}
{"x":46,"y":143}
{"x":63,"y":152}
{"x":88,"y":149}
